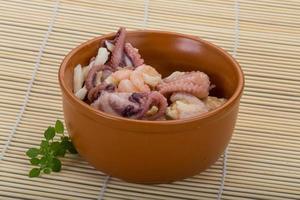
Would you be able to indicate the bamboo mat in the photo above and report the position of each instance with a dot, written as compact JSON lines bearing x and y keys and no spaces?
{"x":263,"y":158}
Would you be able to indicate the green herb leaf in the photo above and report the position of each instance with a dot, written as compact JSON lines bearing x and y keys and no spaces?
{"x":43,"y":160}
{"x":35,"y":161}
{"x":47,"y":170}
{"x":61,"y":151}
{"x":49,"y":133}
{"x":32,"y":152}
{"x":55,"y":146}
{"x":64,"y":138}
{"x":68,"y":145}
{"x":49,"y":159}
{"x":46,"y":157}
{"x":59,"y":126}
{"x":56,"y":167}
{"x":72,"y":149}
{"x":65,"y":142}
{"x":35,"y":172}
{"x":44,"y":144}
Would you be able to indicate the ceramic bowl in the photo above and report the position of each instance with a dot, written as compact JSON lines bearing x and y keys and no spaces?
{"x":155,"y":151}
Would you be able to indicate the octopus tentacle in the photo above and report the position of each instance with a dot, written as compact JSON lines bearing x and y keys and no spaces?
{"x":118,"y":50}
{"x":107,"y":71}
{"x":95,"y":92}
{"x":90,"y":79}
{"x":131,"y":105}
{"x":181,"y":86}
{"x":137,"y":97}
{"x":154,"y":99}
{"x":129,"y":111}
{"x":196,"y":83}
{"x":194,"y":76}
{"x":118,"y":104}
{"x":133,"y":55}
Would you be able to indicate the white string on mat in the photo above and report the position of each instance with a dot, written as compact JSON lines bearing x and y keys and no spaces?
{"x":236,"y":45}
{"x":223,"y":175}
{"x":36,"y":67}
{"x":104,"y":186}
{"x":146,"y":10}
{"x":237,"y":28}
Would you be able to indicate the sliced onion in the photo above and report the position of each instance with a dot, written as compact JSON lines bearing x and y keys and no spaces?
{"x":78,"y":78}
{"x":102,"y":56}
{"x":81,"y":93}
{"x":110,"y":46}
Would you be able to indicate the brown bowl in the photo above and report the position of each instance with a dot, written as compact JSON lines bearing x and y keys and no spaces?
{"x":155,"y":151}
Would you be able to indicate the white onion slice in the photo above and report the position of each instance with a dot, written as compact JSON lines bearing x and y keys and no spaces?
{"x":102,"y":56}
{"x":78,"y":78}
{"x":81,"y":93}
{"x":110,"y":46}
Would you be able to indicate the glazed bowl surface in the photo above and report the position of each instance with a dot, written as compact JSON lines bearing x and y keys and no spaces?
{"x":155,"y":151}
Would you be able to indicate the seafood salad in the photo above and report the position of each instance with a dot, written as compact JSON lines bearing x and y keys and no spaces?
{"x":117,"y":81}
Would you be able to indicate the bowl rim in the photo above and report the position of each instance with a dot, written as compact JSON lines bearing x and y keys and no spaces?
{"x":236,"y":95}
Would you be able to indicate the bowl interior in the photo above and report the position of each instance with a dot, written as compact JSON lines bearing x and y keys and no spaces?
{"x":169,"y":52}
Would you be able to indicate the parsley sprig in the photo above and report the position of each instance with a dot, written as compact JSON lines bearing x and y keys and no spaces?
{"x":46,"y":156}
